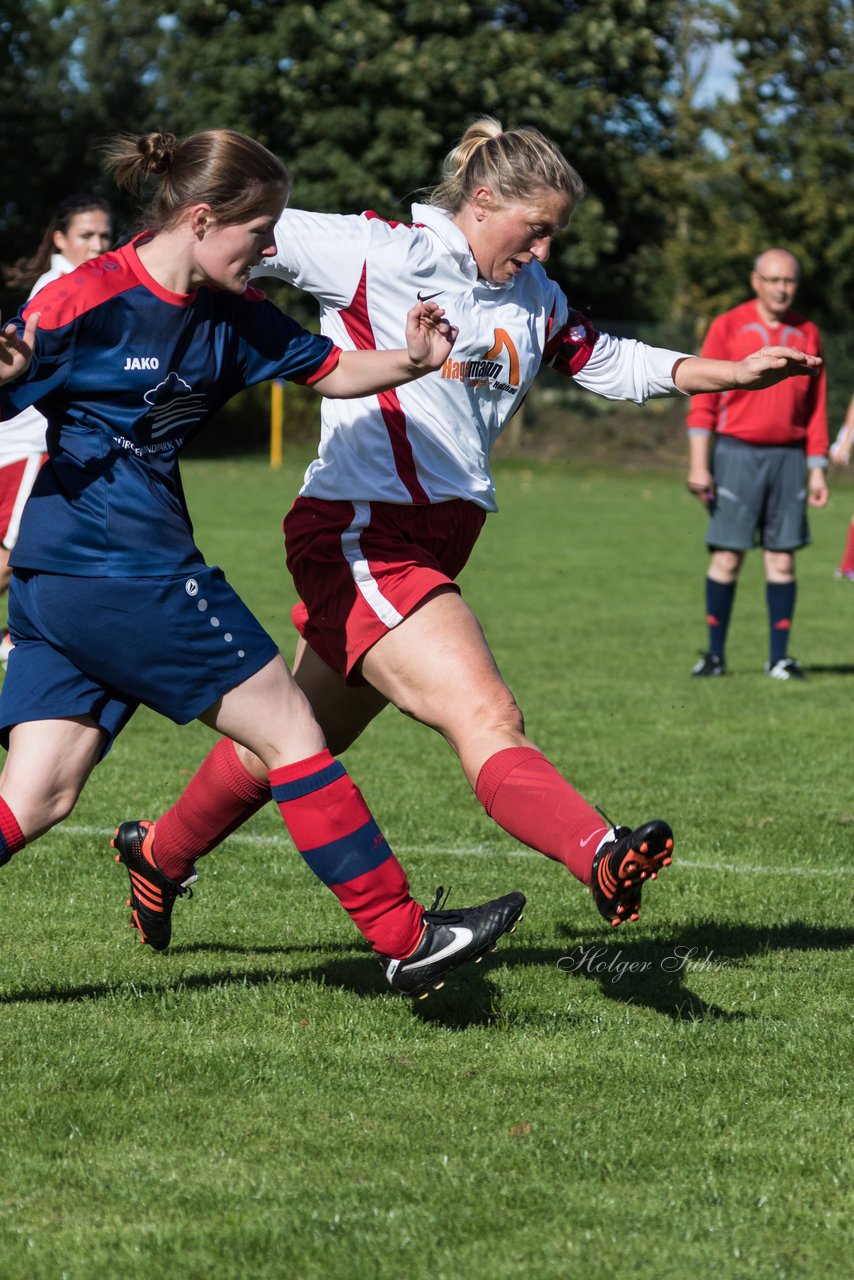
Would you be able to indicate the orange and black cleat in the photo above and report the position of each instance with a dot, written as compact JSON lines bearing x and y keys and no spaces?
{"x":624,"y":861}
{"x":153,"y":894}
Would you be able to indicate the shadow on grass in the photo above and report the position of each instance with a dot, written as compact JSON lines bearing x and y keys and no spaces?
{"x":835,"y":670}
{"x":651,"y":973}
{"x":469,"y":1002}
{"x":655,"y":973}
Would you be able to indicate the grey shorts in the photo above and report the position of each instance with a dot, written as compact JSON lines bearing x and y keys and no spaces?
{"x":760,"y":497}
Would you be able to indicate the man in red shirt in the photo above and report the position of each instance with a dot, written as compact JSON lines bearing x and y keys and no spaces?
{"x":770,"y":460}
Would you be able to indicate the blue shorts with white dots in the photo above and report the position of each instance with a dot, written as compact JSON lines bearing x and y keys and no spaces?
{"x":102,"y":646}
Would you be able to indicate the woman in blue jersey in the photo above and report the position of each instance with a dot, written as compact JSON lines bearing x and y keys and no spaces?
{"x":111,"y":603}
{"x":397,"y":496}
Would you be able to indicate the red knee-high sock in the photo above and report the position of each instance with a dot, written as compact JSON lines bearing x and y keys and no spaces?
{"x":526,"y":795}
{"x":11,"y":836}
{"x":219,"y":798}
{"x":333,"y":829}
{"x":847,"y":563}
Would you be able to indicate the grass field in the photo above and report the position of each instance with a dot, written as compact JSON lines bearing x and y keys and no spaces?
{"x":667,"y":1100}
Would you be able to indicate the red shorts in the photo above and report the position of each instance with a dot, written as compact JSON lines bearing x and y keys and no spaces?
{"x":16,"y":482}
{"x":361,"y":567}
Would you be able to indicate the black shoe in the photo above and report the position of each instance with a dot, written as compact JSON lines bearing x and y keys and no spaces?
{"x":153,"y":894}
{"x":623,"y":863}
{"x":785,"y":669}
{"x":449,"y":939}
{"x":710,"y":664}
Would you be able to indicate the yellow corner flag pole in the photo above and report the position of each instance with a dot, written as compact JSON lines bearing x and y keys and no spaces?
{"x":277,"y":422}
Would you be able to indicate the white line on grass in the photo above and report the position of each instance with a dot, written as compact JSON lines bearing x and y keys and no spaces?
{"x":482,"y":851}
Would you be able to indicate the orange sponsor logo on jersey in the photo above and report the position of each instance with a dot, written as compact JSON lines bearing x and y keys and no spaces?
{"x":486,"y":370}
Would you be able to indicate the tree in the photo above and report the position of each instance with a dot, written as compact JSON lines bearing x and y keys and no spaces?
{"x":365,"y":97}
{"x":789,"y":145}
{"x":70,"y":75}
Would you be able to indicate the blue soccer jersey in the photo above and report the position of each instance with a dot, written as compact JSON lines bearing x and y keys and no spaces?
{"x":126,"y":373}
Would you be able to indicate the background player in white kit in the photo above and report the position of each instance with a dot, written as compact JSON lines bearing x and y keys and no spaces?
{"x":80,"y":229}
{"x":395,"y":500}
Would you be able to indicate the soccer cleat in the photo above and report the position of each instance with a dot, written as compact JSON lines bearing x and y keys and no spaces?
{"x":710,"y":664}
{"x":449,"y":939}
{"x":153,"y":894}
{"x":623,"y":861}
{"x":785,"y":669}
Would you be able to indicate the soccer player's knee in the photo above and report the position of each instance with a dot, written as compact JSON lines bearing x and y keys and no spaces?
{"x":502,"y":712}
{"x":59,"y":804}
{"x":251,"y":763}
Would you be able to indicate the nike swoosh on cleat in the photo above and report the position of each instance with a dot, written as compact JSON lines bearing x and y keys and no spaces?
{"x":427,"y":297}
{"x":462,"y":938}
{"x":589,"y":838}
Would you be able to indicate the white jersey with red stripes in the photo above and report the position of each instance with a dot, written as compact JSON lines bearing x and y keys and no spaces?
{"x":430,"y":440}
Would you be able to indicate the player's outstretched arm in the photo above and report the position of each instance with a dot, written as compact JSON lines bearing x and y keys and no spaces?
{"x":16,"y":353}
{"x":429,"y":339}
{"x":762,"y":368}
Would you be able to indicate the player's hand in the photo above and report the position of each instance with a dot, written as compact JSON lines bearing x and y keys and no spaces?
{"x":16,"y":353}
{"x":770,"y":365}
{"x":429,"y":336}
{"x":701,"y":484}
{"x":840,"y":450}
{"x":817,"y":491}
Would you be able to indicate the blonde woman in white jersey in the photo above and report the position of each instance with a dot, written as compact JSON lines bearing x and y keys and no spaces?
{"x":80,"y":229}
{"x":393,"y":504}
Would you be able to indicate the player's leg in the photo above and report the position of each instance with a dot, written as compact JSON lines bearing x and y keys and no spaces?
{"x":721,"y":581}
{"x":231,"y":783}
{"x":733,"y":520}
{"x":784,"y":530}
{"x":846,"y":564}
{"x":332,"y":828}
{"x":437,"y":667}
{"x":325,"y":814}
{"x":216,"y":638}
{"x":47,"y":764}
{"x":781,"y":595}
{"x":55,"y":721}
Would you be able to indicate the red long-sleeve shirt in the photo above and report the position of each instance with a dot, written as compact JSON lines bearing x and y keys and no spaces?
{"x":794,"y":411}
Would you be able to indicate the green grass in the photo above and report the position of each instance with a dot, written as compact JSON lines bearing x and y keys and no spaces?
{"x":657,"y":1102}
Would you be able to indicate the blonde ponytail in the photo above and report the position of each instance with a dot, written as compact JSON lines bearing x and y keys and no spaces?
{"x":515,"y":165}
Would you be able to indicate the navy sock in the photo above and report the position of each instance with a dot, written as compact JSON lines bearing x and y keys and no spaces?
{"x":781,"y":606}
{"x":719,"y":598}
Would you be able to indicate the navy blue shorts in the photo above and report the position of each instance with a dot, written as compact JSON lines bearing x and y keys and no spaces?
{"x":101,"y":646}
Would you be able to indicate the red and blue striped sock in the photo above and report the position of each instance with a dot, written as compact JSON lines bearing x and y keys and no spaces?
{"x":333,"y":829}
{"x":11,"y":836}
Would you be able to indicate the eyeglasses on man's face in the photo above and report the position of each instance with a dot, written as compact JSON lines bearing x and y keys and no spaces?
{"x":788,"y":281}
